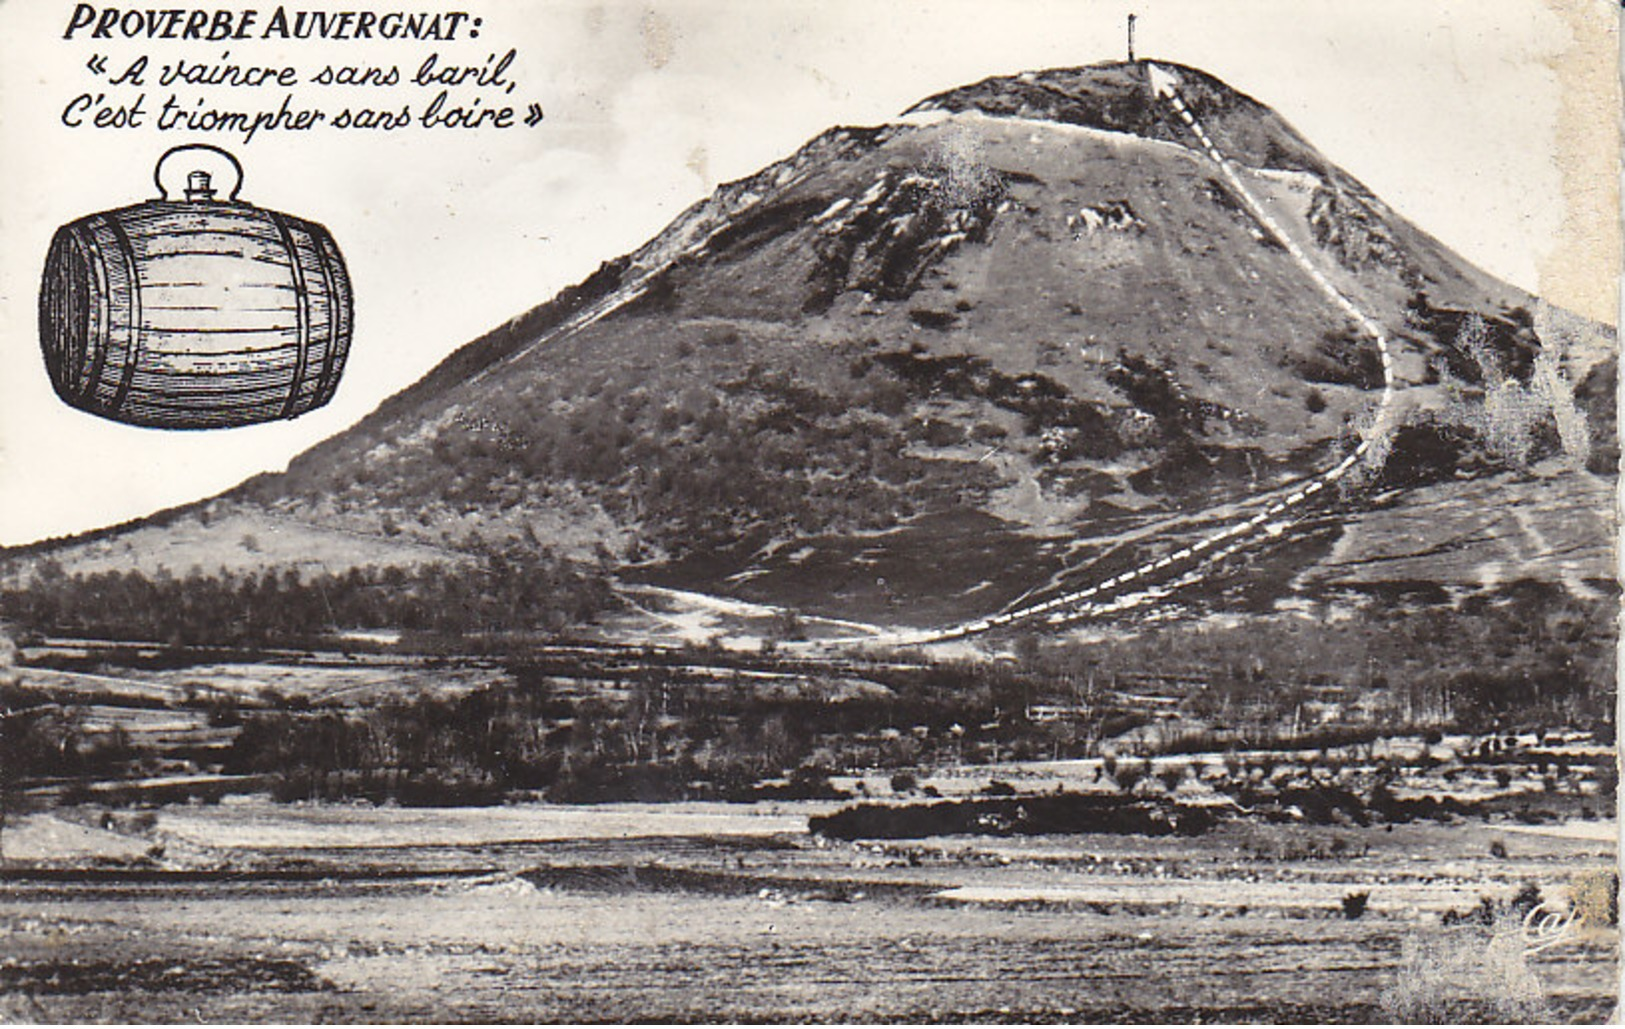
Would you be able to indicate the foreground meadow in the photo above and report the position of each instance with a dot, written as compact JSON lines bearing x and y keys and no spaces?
{"x":255,"y":911}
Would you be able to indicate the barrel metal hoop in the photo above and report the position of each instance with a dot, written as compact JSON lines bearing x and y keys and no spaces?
{"x":303,"y":310}
{"x":79,"y":244}
{"x":335,"y":330}
{"x":132,"y":352}
{"x":96,"y":262}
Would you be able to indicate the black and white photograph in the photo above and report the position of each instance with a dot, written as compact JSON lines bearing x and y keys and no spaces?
{"x":706,"y":511}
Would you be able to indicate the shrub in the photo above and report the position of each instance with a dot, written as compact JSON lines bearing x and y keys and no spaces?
{"x":1354,"y":904}
{"x":1128,"y":775}
{"x":1526,"y":899}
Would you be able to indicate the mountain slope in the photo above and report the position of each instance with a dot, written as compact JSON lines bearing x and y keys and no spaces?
{"x":917,"y":371}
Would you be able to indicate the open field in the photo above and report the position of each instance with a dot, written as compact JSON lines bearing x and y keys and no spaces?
{"x":794,"y":839}
{"x":254,"y":911}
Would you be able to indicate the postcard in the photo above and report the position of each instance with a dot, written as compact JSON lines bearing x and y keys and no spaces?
{"x":706,"y":511}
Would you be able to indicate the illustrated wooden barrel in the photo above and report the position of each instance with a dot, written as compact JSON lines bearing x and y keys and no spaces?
{"x":195,"y":314}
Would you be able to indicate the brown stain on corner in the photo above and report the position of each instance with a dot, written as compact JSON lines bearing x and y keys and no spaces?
{"x":1582,"y":270}
{"x":1596,"y":899}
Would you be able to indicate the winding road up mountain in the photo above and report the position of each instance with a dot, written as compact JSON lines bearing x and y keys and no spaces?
{"x":1071,"y":606}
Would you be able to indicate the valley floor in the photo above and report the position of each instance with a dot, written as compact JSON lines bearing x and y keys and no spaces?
{"x":250,"y":911}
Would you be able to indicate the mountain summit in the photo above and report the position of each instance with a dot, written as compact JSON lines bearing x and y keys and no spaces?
{"x":1041,"y":327}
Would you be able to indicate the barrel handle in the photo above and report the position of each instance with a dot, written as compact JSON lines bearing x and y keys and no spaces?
{"x":158,"y":169}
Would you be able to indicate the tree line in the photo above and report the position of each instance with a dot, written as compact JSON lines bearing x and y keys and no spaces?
{"x":496,"y":592}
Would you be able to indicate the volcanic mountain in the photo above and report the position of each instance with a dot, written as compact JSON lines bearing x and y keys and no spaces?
{"x":1040,"y":328}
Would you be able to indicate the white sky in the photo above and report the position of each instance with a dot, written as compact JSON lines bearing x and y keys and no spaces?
{"x":1446,"y":110}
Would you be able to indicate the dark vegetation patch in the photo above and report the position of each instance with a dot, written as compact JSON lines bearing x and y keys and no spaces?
{"x":655,"y":732}
{"x":1152,"y":388}
{"x":522,"y":590}
{"x":1220,"y":196}
{"x":1184,"y":465}
{"x":1042,"y":402}
{"x":1342,"y":358}
{"x":1025,"y":816}
{"x":1596,"y":395}
{"x":1509,"y":338}
{"x":1125,"y":813}
{"x":1181,"y":464}
{"x":618,"y":880}
{"x":72,"y":976}
{"x":1526,"y":654}
{"x":928,"y":319}
{"x":1178,"y":425}
{"x":886,"y":248}
{"x":660,"y":295}
{"x":1355,"y":235}
{"x":745,"y":233}
{"x":42,"y":741}
{"x":1433,"y":451}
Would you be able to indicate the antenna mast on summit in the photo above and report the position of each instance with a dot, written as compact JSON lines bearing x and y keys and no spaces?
{"x":1131,"y":39}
